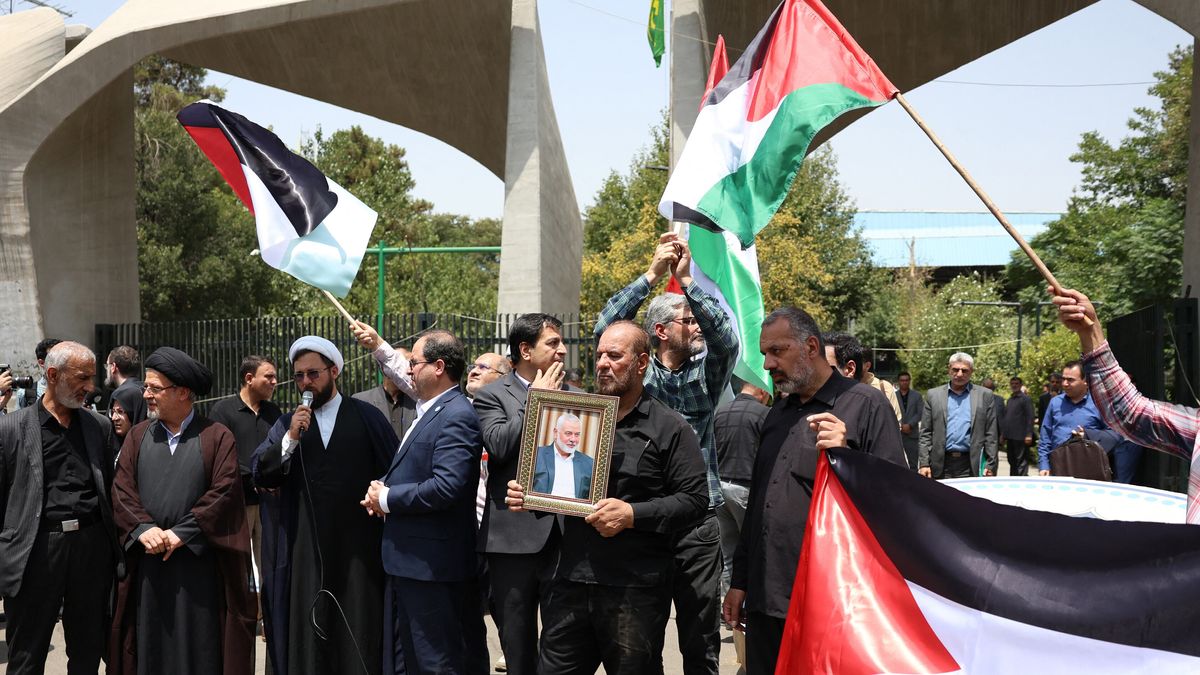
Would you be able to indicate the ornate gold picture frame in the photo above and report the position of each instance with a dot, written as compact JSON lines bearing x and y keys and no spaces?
{"x":566,"y":448}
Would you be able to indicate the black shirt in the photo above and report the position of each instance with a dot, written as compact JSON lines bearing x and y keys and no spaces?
{"x":1016,"y":420}
{"x":656,"y":466}
{"x":781,"y":489}
{"x":249,"y":431}
{"x":67,"y":473}
{"x":737,"y":425}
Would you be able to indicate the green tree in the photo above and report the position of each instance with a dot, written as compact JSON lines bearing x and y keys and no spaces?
{"x":1121,"y":239}
{"x":194,"y":237}
{"x":940,"y":326}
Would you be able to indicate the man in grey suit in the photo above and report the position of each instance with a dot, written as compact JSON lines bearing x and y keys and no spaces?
{"x":521,"y":547}
{"x":958,"y":426}
{"x":911,"y":407}
{"x":397,"y":406}
{"x":59,"y":548}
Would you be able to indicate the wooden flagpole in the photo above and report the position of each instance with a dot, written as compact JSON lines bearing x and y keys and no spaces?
{"x":987,"y":201}
{"x":338,"y":305}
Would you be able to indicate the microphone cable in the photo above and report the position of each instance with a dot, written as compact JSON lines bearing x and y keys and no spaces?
{"x":321,"y":590}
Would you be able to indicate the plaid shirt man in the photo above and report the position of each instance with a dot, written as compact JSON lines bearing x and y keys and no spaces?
{"x":1155,"y":424}
{"x":694,"y":389}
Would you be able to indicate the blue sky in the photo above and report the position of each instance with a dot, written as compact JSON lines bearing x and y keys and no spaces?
{"x":1014,"y":140}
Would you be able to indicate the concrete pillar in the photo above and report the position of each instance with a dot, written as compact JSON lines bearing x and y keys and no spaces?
{"x":34,"y":41}
{"x":690,"y":57}
{"x":542,"y":242}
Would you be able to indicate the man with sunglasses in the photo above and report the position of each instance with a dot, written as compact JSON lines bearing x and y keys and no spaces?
{"x":694,"y":351}
{"x":325,"y":546}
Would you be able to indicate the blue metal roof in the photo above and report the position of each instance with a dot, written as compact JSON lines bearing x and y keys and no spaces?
{"x":945,"y":239}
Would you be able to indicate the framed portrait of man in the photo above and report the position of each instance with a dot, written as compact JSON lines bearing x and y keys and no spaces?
{"x":566,"y":447}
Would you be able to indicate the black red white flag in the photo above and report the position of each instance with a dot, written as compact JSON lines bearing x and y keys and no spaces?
{"x":900,"y":574}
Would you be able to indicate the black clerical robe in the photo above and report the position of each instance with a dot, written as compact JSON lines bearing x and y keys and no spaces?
{"x":316,"y":536}
{"x":193,"y":612}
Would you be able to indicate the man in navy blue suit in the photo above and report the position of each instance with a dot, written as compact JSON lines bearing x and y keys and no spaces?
{"x":427,"y":499}
{"x":560,"y":469}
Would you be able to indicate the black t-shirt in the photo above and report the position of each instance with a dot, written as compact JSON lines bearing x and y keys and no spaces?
{"x":249,"y":431}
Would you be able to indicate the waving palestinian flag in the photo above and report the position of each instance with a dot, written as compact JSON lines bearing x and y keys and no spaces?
{"x":900,"y":574}
{"x":308,"y":226}
{"x":800,"y":73}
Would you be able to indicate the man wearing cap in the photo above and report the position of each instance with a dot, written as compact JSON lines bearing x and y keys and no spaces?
{"x":321,"y":457}
{"x":184,"y":605}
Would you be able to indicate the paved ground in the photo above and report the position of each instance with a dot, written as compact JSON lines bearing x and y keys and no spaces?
{"x":57,"y":663}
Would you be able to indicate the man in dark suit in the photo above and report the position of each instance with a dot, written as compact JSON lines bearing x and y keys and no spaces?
{"x":428,"y":495}
{"x":59,"y":548}
{"x":564,"y":452}
{"x":958,"y":426}
{"x":911,"y":407}
{"x":521,"y":548}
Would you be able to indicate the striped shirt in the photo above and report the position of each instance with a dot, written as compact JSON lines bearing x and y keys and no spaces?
{"x":1154,"y":424}
{"x":694,"y":389}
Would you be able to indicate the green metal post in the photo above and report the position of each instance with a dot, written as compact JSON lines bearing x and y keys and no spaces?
{"x":379,"y":315}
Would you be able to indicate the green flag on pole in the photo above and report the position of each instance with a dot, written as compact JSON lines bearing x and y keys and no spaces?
{"x":655,"y":31}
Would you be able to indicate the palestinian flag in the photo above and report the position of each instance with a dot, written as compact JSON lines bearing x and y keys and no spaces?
{"x":728,"y":273}
{"x":800,"y":73}
{"x":900,"y":574}
{"x":308,"y":226}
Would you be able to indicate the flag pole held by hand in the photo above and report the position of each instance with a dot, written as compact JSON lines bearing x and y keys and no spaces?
{"x":338,"y":305}
{"x":987,"y":201}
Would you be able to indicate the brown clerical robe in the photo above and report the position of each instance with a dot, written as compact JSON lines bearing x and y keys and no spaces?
{"x":220,"y":550}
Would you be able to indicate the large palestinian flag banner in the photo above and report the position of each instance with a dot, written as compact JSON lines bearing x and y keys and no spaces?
{"x":308,"y":225}
{"x":900,"y":574}
{"x":799,"y":74}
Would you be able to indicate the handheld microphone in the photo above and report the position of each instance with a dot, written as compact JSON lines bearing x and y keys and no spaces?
{"x":306,"y":399}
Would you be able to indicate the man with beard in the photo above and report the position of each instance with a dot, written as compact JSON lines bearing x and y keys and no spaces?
{"x":560,"y":469}
{"x":822,"y":409}
{"x":59,"y":545}
{"x":610,"y":599}
{"x":122,"y":368}
{"x":690,"y":381}
{"x":521,"y":548}
{"x":184,"y":605}
{"x":325,"y":548}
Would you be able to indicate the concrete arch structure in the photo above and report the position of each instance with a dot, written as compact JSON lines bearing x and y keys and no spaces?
{"x":471,"y":74}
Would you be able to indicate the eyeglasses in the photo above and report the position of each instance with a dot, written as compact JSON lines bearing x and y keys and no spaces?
{"x":154,"y":390}
{"x":480,"y":366}
{"x":310,"y":374}
{"x":418,"y":363}
{"x":686,"y":320}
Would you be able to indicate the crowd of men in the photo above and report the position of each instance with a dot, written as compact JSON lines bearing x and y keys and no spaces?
{"x":384,"y":525}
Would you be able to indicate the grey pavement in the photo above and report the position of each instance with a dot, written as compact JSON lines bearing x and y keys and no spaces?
{"x":57,"y":660}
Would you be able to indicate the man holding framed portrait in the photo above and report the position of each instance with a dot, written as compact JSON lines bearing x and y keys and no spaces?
{"x":611,"y":597}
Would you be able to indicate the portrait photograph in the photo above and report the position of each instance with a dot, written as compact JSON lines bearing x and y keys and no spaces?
{"x":565,"y":449}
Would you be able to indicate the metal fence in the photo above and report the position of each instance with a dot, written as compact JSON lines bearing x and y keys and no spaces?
{"x":221,"y":344}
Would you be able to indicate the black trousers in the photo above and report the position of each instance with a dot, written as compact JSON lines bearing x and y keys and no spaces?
{"x":764,"y":635}
{"x":956,"y":465}
{"x":71,"y":570}
{"x":696,"y":591}
{"x":520,"y":586}
{"x":587,"y":625}
{"x":1018,"y":462}
{"x":438,"y":627}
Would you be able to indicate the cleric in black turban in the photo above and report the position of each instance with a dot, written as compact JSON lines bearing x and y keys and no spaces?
{"x":181,"y":369}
